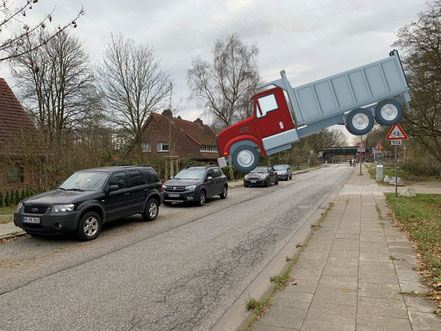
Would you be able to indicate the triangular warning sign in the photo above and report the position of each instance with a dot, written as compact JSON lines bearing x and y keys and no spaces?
{"x":379,"y":146}
{"x":396,"y":133}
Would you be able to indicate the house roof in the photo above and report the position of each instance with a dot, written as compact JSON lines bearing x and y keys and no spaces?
{"x":13,"y":118}
{"x":187,"y":134}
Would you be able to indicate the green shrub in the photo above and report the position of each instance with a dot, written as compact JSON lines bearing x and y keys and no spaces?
{"x":7,"y":201}
{"x":16,"y":197}
{"x":22,"y":195}
{"x":1,"y":199}
{"x":421,"y":167}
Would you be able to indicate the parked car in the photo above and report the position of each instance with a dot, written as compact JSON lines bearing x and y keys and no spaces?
{"x":196,"y":184}
{"x":261,"y":175}
{"x":283,"y":171}
{"x":90,"y":198}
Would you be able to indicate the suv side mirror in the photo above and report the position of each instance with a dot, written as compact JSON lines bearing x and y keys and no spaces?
{"x":209,"y":178}
{"x":113,"y":188}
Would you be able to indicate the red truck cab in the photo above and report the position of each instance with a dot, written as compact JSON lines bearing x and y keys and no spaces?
{"x":242,"y":141}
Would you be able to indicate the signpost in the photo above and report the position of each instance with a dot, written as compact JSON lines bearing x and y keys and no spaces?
{"x":396,"y":135}
{"x":361,"y":148}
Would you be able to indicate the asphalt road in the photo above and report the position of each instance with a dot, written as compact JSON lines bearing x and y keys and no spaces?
{"x":180,"y":272}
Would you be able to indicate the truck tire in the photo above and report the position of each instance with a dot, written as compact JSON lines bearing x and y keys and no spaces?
{"x":245,"y":158}
{"x":359,"y":121}
{"x":388,"y":112}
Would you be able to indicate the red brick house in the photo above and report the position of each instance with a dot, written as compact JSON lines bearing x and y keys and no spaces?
{"x":13,"y":122}
{"x":164,"y":135}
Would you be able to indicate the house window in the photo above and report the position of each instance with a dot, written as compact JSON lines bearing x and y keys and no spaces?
{"x":163,"y":147}
{"x":208,"y":149}
{"x":15,"y":174}
{"x":146,"y":147}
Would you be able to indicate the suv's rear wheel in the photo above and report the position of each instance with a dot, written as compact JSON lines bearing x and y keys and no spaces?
{"x":224,"y":193}
{"x":151,"y":210}
{"x":202,"y":198}
{"x":89,"y":226}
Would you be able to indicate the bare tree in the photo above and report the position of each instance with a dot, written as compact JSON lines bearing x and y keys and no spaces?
{"x":225,"y":86}
{"x":326,"y":138}
{"x":14,"y":18}
{"x":421,"y":42}
{"x":60,"y":93}
{"x":134,"y":86}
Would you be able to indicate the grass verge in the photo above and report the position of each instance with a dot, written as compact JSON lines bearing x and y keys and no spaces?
{"x":407,"y":176}
{"x":5,"y":219}
{"x":281,"y":280}
{"x":7,"y":210}
{"x":420,"y":218}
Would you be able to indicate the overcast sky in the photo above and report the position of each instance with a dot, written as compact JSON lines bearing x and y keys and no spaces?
{"x":309,"y":39}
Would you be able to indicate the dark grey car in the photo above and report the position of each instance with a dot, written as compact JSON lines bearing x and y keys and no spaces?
{"x":283,"y":171}
{"x":196,"y":184}
{"x":261,"y":175}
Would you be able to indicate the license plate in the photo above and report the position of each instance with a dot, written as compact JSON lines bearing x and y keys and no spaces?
{"x":33,"y":220}
{"x":253,"y":181}
{"x":174,"y":195}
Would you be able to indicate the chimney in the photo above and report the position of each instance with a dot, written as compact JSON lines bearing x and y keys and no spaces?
{"x":199,"y":122}
{"x":167,"y":113}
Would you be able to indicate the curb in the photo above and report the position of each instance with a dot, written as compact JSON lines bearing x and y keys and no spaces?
{"x":12,"y":235}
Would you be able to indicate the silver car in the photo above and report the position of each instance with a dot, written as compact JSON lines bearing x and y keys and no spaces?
{"x":283,"y":171}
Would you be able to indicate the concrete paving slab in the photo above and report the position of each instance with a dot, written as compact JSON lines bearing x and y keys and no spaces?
{"x":379,"y":290}
{"x":261,"y":327}
{"x":424,"y":321}
{"x":349,"y":283}
{"x":340,"y":271}
{"x":334,"y":313}
{"x":422,"y":305}
{"x":382,"y":307}
{"x":284,"y":317}
{"x":336,"y":296}
{"x":301,"y":286}
{"x":293,"y":300}
{"x":320,"y":325}
{"x":374,"y":323}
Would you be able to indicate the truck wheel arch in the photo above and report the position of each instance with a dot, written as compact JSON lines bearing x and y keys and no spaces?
{"x":240,"y":143}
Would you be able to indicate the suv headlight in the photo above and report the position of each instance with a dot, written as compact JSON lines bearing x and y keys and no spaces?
{"x":19,"y":205}
{"x":190,"y":188}
{"x":164,"y":186}
{"x":63,"y":208}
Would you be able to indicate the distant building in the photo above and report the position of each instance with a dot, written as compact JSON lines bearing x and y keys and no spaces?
{"x":13,"y":121}
{"x":164,"y":135}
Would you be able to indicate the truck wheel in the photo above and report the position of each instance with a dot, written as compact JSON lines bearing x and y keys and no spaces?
{"x":245,"y":158}
{"x":388,"y":112}
{"x":89,"y":227}
{"x":359,"y":121}
{"x":151,"y":210}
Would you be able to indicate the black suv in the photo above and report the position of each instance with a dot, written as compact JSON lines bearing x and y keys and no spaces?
{"x":196,"y":184}
{"x":89,"y":198}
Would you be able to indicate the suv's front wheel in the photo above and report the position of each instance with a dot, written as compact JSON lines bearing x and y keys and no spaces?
{"x":202,"y":198}
{"x":151,"y":210}
{"x":89,"y":226}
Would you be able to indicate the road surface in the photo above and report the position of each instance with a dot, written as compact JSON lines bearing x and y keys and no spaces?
{"x":180,"y":272}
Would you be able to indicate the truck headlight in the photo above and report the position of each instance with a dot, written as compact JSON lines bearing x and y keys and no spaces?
{"x":190,"y":188}
{"x":63,"y":208}
{"x":19,"y":205}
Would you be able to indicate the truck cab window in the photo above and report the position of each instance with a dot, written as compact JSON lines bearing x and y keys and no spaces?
{"x":265,"y":104}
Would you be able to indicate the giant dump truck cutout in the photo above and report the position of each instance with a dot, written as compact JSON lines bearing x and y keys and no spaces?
{"x":283,"y":115}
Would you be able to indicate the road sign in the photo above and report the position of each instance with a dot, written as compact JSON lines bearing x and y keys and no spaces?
{"x":379,"y":146}
{"x":361,"y":147}
{"x":396,"y":133}
{"x":396,"y":142}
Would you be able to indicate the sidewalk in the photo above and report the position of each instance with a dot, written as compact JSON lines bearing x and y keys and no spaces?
{"x":355,"y":273}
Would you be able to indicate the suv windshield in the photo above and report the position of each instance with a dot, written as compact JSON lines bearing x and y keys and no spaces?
{"x":191,"y":174}
{"x":85,"y":181}
{"x":261,"y":170}
{"x":280,"y":168}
